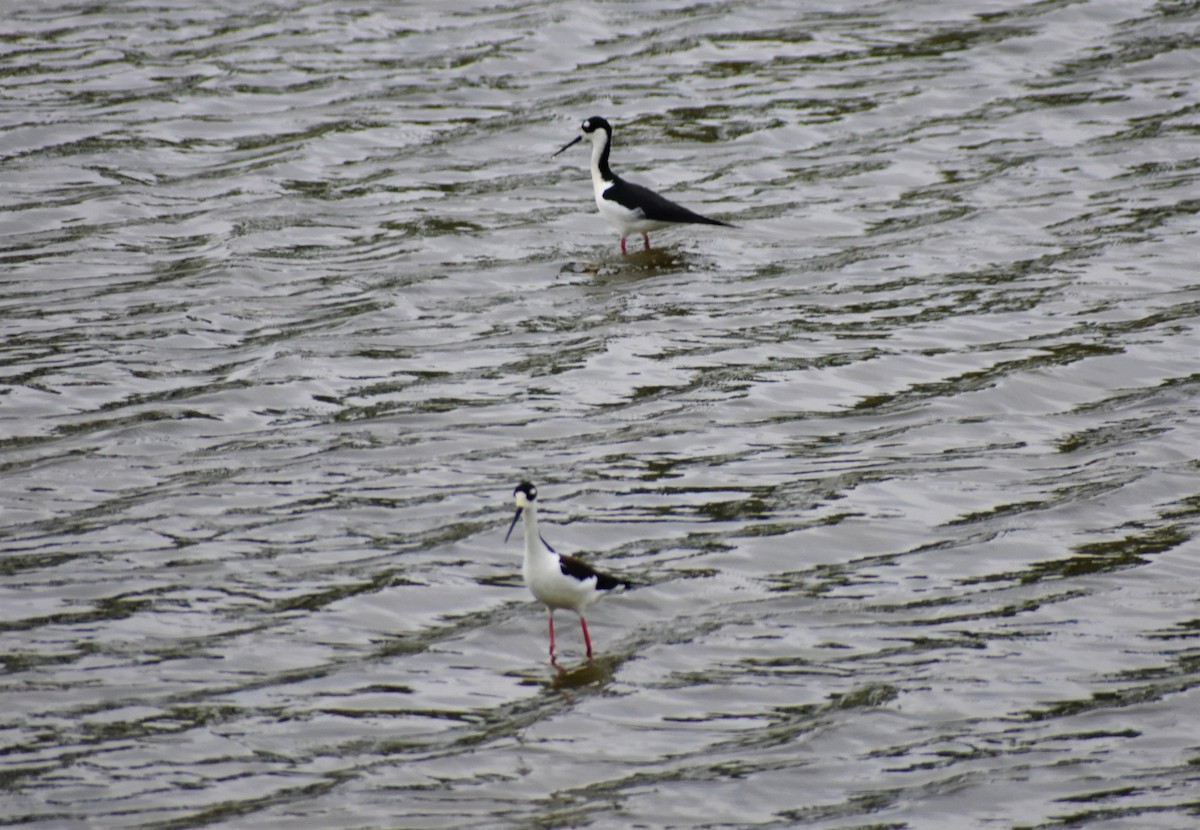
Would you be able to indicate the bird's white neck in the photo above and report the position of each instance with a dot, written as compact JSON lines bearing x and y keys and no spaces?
{"x":601,"y":173}
{"x":535,"y":549}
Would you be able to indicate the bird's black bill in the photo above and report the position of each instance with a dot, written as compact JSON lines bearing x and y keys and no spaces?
{"x":514,"y":524}
{"x":570,"y":143}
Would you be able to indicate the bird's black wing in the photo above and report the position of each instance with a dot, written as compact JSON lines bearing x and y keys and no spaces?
{"x":655,"y":207}
{"x":578,"y":569}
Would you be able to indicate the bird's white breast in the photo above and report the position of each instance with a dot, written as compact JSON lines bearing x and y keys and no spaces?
{"x":552,"y":587}
{"x":626,"y":221}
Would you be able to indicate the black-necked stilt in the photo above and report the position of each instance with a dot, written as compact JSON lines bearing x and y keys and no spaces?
{"x":558,"y":581}
{"x":629,"y":207}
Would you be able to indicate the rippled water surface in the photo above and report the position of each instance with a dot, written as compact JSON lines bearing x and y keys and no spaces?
{"x":904,"y":468}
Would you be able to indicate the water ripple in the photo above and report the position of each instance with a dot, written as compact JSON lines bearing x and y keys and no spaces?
{"x":903,"y":468}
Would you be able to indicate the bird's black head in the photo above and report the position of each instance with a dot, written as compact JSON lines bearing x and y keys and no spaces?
{"x":588,"y":128}
{"x":594,"y":123}
{"x":525,"y":493}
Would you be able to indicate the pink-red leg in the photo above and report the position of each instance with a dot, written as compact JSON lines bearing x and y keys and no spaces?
{"x":586,"y":637}
{"x":646,"y":240}
{"x":552,"y":655}
{"x":623,"y":252}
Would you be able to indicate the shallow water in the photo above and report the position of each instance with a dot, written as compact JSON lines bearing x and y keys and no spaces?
{"x":904,"y":467}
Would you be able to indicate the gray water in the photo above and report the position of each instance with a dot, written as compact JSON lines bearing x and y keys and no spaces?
{"x":905,"y":467}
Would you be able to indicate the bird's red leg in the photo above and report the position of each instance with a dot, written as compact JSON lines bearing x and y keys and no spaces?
{"x":623,"y":252}
{"x":586,"y":638}
{"x":553,"y":657}
{"x":646,"y":240}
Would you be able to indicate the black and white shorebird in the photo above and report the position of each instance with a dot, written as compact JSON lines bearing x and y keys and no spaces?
{"x":556,"y":580}
{"x":629,"y":207}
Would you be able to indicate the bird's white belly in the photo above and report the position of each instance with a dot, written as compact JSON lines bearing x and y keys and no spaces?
{"x":626,"y":221}
{"x":552,"y":587}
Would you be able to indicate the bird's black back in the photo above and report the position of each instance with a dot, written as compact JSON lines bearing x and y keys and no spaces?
{"x":655,"y":207}
{"x":577,"y":568}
